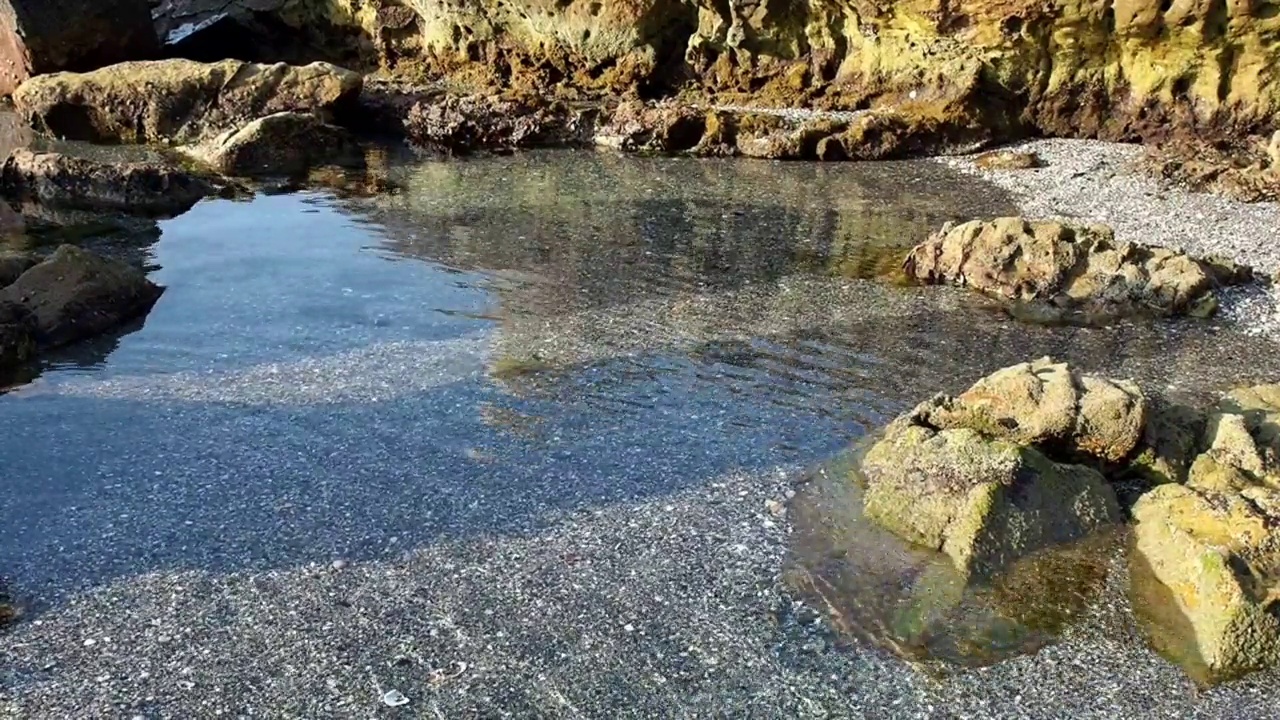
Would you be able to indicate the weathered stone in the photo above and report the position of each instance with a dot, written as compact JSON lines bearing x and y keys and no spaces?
{"x":464,"y":124}
{"x":1050,"y":405}
{"x":984,"y":503}
{"x":179,"y":101}
{"x":1066,"y":268}
{"x":44,"y":36}
{"x":13,"y":264}
{"x":74,"y":294}
{"x":280,"y":144}
{"x":60,"y":180}
{"x":638,"y":126}
{"x":1008,"y":160}
{"x":1216,"y":552}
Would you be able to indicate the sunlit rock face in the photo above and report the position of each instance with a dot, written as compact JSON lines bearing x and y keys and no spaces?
{"x":1111,"y":69}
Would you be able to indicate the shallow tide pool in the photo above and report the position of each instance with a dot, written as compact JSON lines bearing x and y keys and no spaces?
{"x":490,"y":352}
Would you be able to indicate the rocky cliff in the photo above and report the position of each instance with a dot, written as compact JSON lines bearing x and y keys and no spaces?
{"x":1117,"y":69}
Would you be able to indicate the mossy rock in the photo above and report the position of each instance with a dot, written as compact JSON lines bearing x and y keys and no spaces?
{"x":982,"y":502}
{"x":1216,"y":557}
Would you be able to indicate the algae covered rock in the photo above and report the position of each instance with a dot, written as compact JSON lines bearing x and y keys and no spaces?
{"x":179,"y":100}
{"x":63,"y":181}
{"x":1066,"y":268}
{"x":1216,"y":558}
{"x":983,"y":502}
{"x":977,"y":476}
{"x":74,"y":294}
{"x":286,"y":143}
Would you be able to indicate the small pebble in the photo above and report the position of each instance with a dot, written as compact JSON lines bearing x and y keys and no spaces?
{"x":394,"y":698}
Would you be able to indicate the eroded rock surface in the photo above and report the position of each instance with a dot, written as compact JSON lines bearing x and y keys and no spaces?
{"x":985,"y":476}
{"x":62,"y":181}
{"x":1216,"y":552}
{"x":179,"y":101}
{"x":287,"y":144}
{"x":74,"y":294}
{"x":44,"y":36}
{"x":1068,"y":270}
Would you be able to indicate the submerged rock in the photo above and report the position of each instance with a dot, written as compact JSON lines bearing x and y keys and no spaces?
{"x":74,"y":294}
{"x":1067,"y":269}
{"x":975,"y":476}
{"x":286,"y":143}
{"x":179,"y":101}
{"x":877,"y":587}
{"x":44,"y":36}
{"x":62,"y":181}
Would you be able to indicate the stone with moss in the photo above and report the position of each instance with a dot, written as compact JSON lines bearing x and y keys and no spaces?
{"x":982,"y":501}
{"x":1215,"y":553}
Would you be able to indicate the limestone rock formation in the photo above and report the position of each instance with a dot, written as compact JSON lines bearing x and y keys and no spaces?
{"x":1067,"y":269}
{"x":74,"y":294}
{"x":462,"y":124}
{"x":986,"y":477}
{"x":62,"y":181}
{"x":283,"y":144}
{"x":43,"y":36}
{"x":179,"y":101}
{"x":1050,"y":405}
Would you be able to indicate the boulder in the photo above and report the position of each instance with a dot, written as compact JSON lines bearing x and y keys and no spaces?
{"x":179,"y":101}
{"x":286,"y":143}
{"x":74,"y":294}
{"x":62,"y":181}
{"x":1070,"y":269}
{"x":1215,"y":554}
{"x":983,"y":502}
{"x":13,"y":264}
{"x":1050,"y":405}
{"x":44,"y":36}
